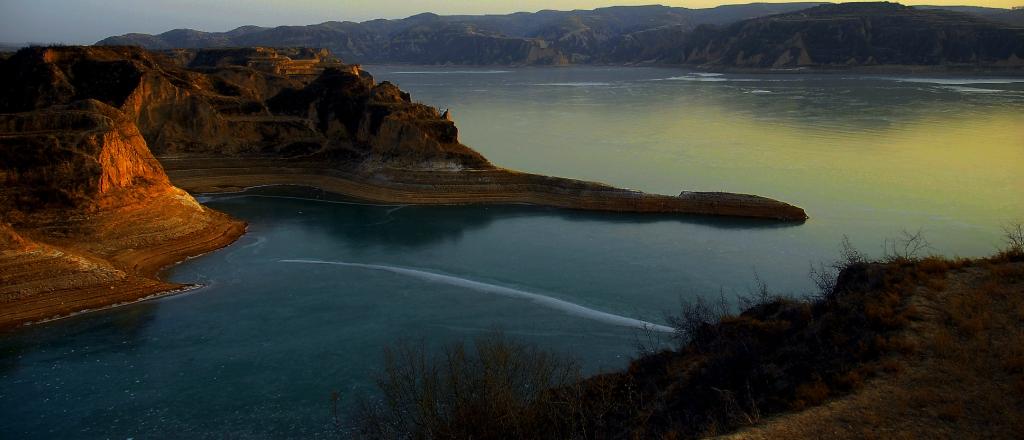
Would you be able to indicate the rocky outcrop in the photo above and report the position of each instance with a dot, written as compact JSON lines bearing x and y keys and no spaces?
{"x":73,"y":157}
{"x":231,"y":105}
{"x":87,"y":214}
{"x":279,"y":61}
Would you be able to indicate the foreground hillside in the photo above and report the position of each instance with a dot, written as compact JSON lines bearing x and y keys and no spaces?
{"x":958,"y":371}
{"x":906,"y":348}
{"x":759,"y":35}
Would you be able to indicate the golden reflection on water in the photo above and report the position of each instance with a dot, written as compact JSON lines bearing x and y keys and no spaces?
{"x":936,"y":163}
{"x":862,"y":161}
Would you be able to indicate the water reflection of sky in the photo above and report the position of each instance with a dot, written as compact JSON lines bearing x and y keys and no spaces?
{"x":257,"y":352}
{"x":865,"y":155}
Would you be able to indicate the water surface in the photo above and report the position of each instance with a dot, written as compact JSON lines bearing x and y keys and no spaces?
{"x":258,"y":352}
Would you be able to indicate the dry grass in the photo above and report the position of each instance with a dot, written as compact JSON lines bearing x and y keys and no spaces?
{"x":911,"y":348}
{"x":964,"y":378}
{"x":495,"y":388}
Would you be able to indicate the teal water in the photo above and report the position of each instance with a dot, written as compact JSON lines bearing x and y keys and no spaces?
{"x":259,"y":350}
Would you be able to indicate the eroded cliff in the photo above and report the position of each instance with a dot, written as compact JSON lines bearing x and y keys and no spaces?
{"x":87,"y":214}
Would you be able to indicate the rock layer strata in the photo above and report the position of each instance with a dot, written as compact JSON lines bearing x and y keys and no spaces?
{"x":87,"y":214}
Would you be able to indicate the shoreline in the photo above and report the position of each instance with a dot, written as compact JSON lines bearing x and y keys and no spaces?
{"x":161,"y":294}
{"x":68,"y":293}
{"x":144,"y":265}
{"x":466,"y":187}
{"x":882,"y":69}
{"x":132,"y":271}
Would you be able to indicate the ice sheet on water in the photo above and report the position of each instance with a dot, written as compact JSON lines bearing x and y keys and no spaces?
{"x":956,"y":81}
{"x":536,"y":298}
{"x":451,"y":72}
{"x":575,"y":84}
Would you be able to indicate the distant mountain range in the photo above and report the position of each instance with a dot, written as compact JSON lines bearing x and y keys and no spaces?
{"x":1013,"y":17}
{"x":854,"y":34}
{"x":761,"y":35}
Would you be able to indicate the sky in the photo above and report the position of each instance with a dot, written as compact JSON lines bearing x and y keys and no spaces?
{"x":87,"y":21}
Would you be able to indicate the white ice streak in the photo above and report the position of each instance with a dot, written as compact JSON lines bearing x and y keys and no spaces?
{"x":698,"y":78}
{"x":575,"y":84}
{"x":260,"y":241}
{"x":536,"y":298}
{"x":963,"y":89}
{"x":955,"y":81}
{"x":451,"y":72}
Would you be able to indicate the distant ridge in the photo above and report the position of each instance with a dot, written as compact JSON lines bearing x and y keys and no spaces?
{"x":544,"y":37}
{"x":855,"y":34}
{"x":757,"y":35}
{"x":1013,"y":17}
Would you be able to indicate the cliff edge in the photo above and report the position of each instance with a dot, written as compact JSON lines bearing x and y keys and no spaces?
{"x":87,"y":215}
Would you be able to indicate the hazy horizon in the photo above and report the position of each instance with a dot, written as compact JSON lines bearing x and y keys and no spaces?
{"x":88,"y":21}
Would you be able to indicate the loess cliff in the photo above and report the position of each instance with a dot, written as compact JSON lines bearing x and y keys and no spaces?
{"x":87,"y":215}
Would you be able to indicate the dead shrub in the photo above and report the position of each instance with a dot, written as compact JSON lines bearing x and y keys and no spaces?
{"x":951,"y":411}
{"x":933,"y":265}
{"x":1008,"y":272}
{"x":903,"y":345}
{"x":826,"y":277}
{"x":696,"y":318}
{"x":892,"y":366}
{"x":885,"y":311}
{"x":495,"y":389}
{"x":810,"y":394}
{"x":851,"y":380}
{"x":944,"y":342}
{"x":1013,"y":357}
{"x":1014,"y":235}
{"x":908,"y":247}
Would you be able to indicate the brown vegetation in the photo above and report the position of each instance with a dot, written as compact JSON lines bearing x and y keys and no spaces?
{"x":496,"y":380}
{"x":908,"y":348}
